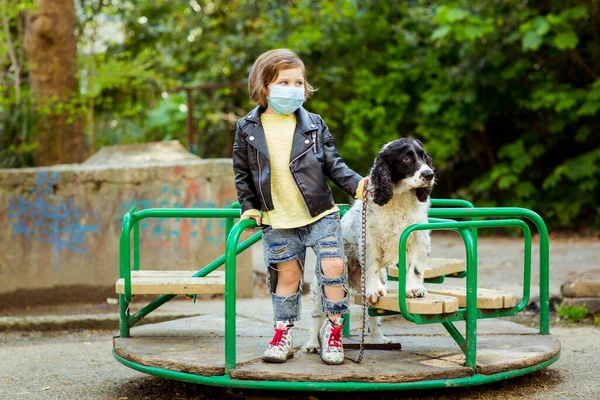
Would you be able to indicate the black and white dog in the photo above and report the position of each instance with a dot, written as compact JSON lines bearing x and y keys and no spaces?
{"x":401,"y":180}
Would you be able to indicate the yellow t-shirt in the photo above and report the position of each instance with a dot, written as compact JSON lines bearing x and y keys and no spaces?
{"x":289,"y":210}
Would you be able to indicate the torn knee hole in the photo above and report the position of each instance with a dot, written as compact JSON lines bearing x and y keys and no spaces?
{"x":335,"y":285}
{"x":288,"y":272}
{"x":332,"y":267}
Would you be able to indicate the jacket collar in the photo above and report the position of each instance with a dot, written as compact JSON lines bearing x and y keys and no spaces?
{"x":304,"y":124}
{"x":304,"y":121}
{"x":254,"y":115}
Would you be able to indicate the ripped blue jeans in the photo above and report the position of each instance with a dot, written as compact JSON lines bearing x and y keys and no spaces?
{"x":280,"y":245}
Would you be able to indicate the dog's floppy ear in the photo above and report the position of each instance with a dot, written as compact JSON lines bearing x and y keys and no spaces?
{"x":381,"y":178}
{"x":423,"y":193}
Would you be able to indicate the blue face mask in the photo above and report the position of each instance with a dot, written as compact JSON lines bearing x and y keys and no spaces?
{"x":284,"y":99}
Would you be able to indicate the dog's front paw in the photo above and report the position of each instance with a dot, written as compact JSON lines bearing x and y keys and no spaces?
{"x":375,"y":292}
{"x":312,"y":346}
{"x":416,"y":291}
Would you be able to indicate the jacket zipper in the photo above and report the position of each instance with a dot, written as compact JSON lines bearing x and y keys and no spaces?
{"x":314,"y":135}
{"x":295,"y":180}
{"x":301,"y":193}
{"x":299,"y":155}
{"x":259,"y":177}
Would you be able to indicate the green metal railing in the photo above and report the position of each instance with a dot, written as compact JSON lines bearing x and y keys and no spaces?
{"x":471,"y":313}
{"x":439,"y":219}
{"x":131,"y":222}
{"x":544,"y":245}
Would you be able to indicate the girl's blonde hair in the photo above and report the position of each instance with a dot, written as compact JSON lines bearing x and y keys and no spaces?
{"x":266,"y":69}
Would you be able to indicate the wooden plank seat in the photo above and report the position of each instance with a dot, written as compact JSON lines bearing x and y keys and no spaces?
{"x":486,"y":298}
{"x":435,"y":268}
{"x":430,"y":304}
{"x":173,"y":282}
{"x":441,"y":300}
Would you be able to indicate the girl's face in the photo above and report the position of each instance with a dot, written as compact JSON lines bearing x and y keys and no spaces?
{"x":293,"y":77}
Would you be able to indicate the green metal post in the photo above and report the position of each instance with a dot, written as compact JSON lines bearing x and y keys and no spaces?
{"x":402,"y":275}
{"x":228,"y":225}
{"x":123,"y":317}
{"x":230,"y":221}
{"x":136,"y":247}
{"x":230,"y":289}
{"x":125,"y":273}
{"x":527,"y":268}
{"x":544,"y":279}
{"x":471,"y":318}
{"x":346,"y":328}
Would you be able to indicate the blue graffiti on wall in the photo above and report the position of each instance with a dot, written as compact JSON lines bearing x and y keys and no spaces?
{"x":162,"y":229}
{"x":48,"y":218}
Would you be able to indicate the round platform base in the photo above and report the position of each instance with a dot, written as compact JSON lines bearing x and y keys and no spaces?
{"x":225,"y":381}
{"x":192,"y":349}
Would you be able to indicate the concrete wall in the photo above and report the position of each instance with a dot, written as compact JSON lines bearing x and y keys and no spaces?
{"x":59,"y":226}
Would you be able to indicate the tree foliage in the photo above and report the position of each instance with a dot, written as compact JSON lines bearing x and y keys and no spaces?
{"x":505,"y":95}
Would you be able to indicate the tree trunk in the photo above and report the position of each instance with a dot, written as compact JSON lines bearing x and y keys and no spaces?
{"x":51,"y":47}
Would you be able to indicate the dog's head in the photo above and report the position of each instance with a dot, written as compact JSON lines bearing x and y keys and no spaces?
{"x":401,"y":166}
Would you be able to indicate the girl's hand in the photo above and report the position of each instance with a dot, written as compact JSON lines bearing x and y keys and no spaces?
{"x":255,"y":218}
{"x":366,"y":188}
{"x":363,"y":189}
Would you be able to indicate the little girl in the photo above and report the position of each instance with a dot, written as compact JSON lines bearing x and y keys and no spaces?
{"x":281,"y":156}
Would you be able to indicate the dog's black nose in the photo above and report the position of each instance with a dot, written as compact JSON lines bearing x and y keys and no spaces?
{"x":427,"y":175}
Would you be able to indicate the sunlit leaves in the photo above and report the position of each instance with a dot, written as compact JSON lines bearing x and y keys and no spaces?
{"x":460,"y":24}
{"x":565,"y":40}
{"x":557,"y":28}
{"x":532,"y":41}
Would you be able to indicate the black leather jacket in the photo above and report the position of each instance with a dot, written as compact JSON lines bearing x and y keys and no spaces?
{"x":313,"y":157}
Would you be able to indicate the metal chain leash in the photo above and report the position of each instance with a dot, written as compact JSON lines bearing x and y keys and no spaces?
{"x":363,"y":283}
